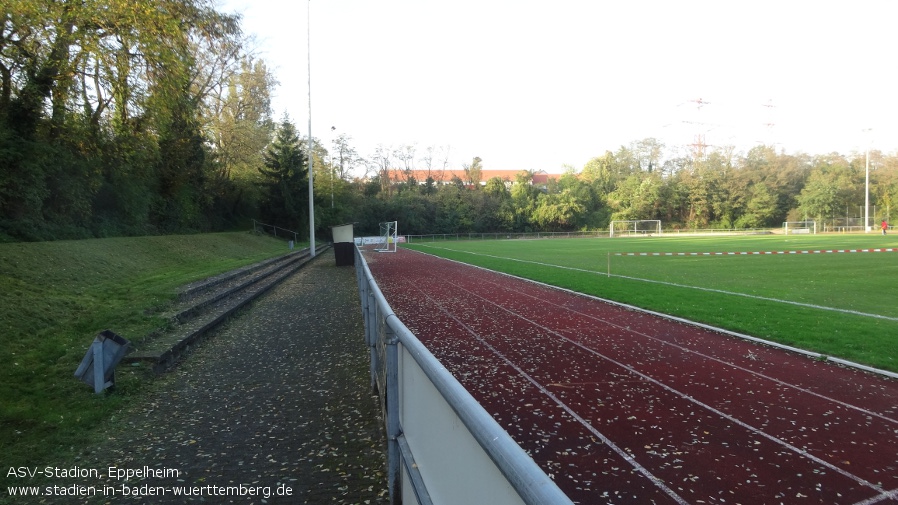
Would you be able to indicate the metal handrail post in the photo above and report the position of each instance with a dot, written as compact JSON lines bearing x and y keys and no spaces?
{"x":392,"y":416}
{"x":369,"y":305}
{"x":371,"y":323}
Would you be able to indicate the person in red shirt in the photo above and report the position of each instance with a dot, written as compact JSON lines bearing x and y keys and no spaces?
{"x":885,"y":226}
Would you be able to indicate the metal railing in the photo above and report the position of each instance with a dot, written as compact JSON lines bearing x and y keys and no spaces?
{"x":273,"y":230}
{"x":442,"y":446}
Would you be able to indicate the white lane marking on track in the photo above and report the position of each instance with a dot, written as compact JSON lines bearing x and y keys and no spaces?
{"x":699,"y":353}
{"x":686,"y":397}
{"x":710,"y":290}
{"x":669,"y":317}
{"x":592,"y":429}
{"x":880,"y":497}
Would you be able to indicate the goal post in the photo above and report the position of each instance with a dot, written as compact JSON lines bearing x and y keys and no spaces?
{"x":799,"y":227}
{"x":635,"y":227}
{"x":388,"y":237}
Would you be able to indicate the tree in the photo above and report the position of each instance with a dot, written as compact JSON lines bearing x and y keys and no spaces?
{"x":406,"y":156}
{"x":241,"y":127}
{"x":436,"y":170}
{"x":496,"y":187}
{"x":473,"y":172}
{"x":239,"y":132}
{"x":595,"y":212}
{"x":819,"y":199}
{"x":285,"y":179}
{"x":605,"y":172}
{"x":885,"y":185}
{"x":637,"y":197}
{"x":344,"y":158}
{"x":760,"y":209}
{"x":83,"y":85}
{"x":555,"y":212}
{"x":524,"y":198}
{"x":380,"y":164}
{"x":647,"y":153}
{"x":833,"y":185}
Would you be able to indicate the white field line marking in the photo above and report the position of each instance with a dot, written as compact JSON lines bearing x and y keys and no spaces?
{"x":634,"y":308}
{"x":592,"y":429}
{"x":688,"y":398}
{"x":710,"y":290}
{"x":753,"y":253}
{"x":706,"y":356}
{"x":880,"y":497}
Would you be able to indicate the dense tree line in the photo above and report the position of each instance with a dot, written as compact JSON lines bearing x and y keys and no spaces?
{"x":120,"y":117}
{"x":719,"y":189}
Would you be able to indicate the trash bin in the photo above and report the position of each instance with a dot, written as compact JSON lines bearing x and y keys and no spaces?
{"x":344,"y":245}
{"x":97,"y":369}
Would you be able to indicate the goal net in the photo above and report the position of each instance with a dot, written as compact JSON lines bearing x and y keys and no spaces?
{"x":798,"y":227}
{"x":388,"y":237}
{"x":639,"y":227}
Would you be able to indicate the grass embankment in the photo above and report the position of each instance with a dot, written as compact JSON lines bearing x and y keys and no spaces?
{"x":56,"y":296}
{"x":836,"y":304}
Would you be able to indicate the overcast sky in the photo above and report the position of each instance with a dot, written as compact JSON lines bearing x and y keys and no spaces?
{"x":530,"y":85}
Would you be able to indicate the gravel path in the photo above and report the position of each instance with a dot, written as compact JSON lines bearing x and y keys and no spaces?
{"x":279,"y":398}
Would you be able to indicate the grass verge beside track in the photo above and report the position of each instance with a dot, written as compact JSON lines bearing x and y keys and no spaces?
{"x":837,"y":304}
{"x":56,"y":296}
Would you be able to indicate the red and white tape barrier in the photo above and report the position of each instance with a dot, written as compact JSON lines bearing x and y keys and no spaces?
{"x":751,"y":253}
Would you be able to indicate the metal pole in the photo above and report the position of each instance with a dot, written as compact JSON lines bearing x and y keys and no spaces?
{"x":332,"y":177}
{"x":311,"y":163}
{"x":867,"y":192}
{"x":394,"y":462}
{"x":867,"y":186}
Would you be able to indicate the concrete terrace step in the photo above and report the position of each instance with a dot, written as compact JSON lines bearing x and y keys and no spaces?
{"x":204,"y":305}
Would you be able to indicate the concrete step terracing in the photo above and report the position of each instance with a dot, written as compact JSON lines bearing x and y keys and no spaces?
{"x":203,"y":305}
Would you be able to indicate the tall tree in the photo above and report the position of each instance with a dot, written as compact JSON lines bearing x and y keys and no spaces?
{"x":239,"y":131}
{"x":473,"y":172}
{"x":637,"y":197}
{"x":285,"y":180}
{"x":556,"y":212}
{"x":344,"y":157}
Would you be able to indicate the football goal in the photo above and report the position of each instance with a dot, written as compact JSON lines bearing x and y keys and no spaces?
{"x":388,"y":237}
{"x":798,"y":227}
{"x":640,"y":227}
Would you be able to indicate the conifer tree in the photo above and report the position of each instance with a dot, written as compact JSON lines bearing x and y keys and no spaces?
{"x":285,"y":179}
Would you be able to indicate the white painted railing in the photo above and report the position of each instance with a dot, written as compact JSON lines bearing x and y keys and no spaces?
{"x":442,"y":446}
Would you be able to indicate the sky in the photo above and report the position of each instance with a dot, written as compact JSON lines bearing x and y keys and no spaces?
{"x":528,"y":85}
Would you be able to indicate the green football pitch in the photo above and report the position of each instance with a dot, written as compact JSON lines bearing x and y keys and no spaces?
{"x":797,"y":290}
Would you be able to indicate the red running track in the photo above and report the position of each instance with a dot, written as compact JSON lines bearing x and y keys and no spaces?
{"x":620,"y":406}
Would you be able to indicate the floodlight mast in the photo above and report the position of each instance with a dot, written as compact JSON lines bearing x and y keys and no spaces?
{"x":311,"y":164}
{"x":867,"y":226}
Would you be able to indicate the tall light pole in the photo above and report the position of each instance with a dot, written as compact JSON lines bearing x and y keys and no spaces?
{"x":867,"y":226}
{"x":333,"y":128}
{"x":311,"y":163}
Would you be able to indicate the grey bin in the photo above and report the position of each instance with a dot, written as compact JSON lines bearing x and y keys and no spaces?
{"x":97,"y":369}
{"x":344,"y":243}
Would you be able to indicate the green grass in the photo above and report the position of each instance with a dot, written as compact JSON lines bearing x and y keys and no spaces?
{"x":56,"y":296}
{"x":855,"y":295}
